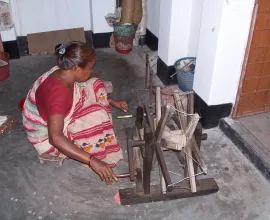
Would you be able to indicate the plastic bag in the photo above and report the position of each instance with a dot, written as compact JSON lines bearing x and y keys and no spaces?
{"x":5,"y":16}
{"x":112,"y":18}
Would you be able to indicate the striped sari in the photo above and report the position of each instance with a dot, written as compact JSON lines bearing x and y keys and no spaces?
{"x":88,"y":124}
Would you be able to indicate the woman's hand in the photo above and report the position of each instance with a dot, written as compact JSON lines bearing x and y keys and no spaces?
{"x":122,"y":105}
{"x":103,"y":170}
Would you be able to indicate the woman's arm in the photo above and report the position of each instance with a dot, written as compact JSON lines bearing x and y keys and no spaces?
{"x":119,"y":104}
{"x":65,"y":146}
{"x":62,"y":143}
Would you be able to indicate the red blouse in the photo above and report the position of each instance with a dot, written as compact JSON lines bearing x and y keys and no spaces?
{"x":53,"y":97}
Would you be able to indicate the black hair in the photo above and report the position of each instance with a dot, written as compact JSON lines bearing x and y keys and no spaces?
{"x":75,"y":53}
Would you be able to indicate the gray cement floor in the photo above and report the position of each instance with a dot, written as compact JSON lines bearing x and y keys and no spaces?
{"x":259,"y":127}
{"x":30,"y":190}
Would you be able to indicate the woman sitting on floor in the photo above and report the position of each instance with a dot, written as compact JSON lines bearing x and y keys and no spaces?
{"x":67,"y":114}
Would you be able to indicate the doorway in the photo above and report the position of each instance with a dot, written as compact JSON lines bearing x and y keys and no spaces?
{"x":254,"y":89}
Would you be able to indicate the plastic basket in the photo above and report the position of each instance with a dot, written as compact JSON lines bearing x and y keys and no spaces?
{"x":185,"y":78}
{"x":21,"y":104}
{"x":4,"y":70}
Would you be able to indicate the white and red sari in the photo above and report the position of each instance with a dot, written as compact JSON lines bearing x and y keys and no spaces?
{"x":88,"y":124}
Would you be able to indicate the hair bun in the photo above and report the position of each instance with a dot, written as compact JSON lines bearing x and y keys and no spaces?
{"x":60,"y":49}
{"x":75,"y":53}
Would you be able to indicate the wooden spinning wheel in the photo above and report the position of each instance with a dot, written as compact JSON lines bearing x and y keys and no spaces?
{"x":148,"y":145}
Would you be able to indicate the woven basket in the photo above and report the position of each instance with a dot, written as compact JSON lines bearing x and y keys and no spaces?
{"x":124,"y":29}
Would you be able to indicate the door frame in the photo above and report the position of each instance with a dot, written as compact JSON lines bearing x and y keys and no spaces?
{"x":246,"y":56}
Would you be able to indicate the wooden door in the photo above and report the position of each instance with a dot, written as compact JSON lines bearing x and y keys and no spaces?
{"x":254,"y":89}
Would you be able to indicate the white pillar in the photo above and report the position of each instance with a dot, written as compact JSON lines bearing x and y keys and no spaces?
{"x":179,"y":25}
{"x":100,"y":8}
{"x":223,"y":37}
{"x":153,"y":8}
{"x":195,"y":26}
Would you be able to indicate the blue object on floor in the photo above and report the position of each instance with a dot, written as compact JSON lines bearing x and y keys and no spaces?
{"x":185,"y":78}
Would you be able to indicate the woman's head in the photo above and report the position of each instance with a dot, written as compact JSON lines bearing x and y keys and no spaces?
{"x":77,"y":57}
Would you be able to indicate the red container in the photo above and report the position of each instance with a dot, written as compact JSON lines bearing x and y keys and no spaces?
{"x":4,"y":70}
{"x":21,"y":103}
{"x":123,"y":44}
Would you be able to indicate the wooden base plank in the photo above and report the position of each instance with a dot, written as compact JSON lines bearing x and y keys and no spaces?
{"x":204,"y":187}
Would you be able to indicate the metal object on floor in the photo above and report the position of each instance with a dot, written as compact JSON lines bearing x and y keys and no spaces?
{"x":142,"y":40}
{"x":48,"y":158}
{"x":122,"y":175}
{"x":141,"y":154}
{"x":151,"y":87}
{"x":146,"y":71}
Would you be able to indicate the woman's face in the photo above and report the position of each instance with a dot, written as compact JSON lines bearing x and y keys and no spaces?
{"x":84,"y":74}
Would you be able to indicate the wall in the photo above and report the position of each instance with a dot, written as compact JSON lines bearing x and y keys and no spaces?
{"x":33,"y":16}
{"x":49,"y":15}
{"x":153,"y":11}
{"x":222,"y":42}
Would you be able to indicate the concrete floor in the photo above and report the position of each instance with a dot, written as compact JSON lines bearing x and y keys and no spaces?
{"x":259,"y":127}
{"x":30,"y":190}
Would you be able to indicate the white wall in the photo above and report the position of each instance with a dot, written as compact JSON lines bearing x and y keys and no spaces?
{"x":223,"y":39}
{"x":153,"y":11}
{"x":33,"y":16}
{"x":49,"y":15}
{"x":179,"y":27}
